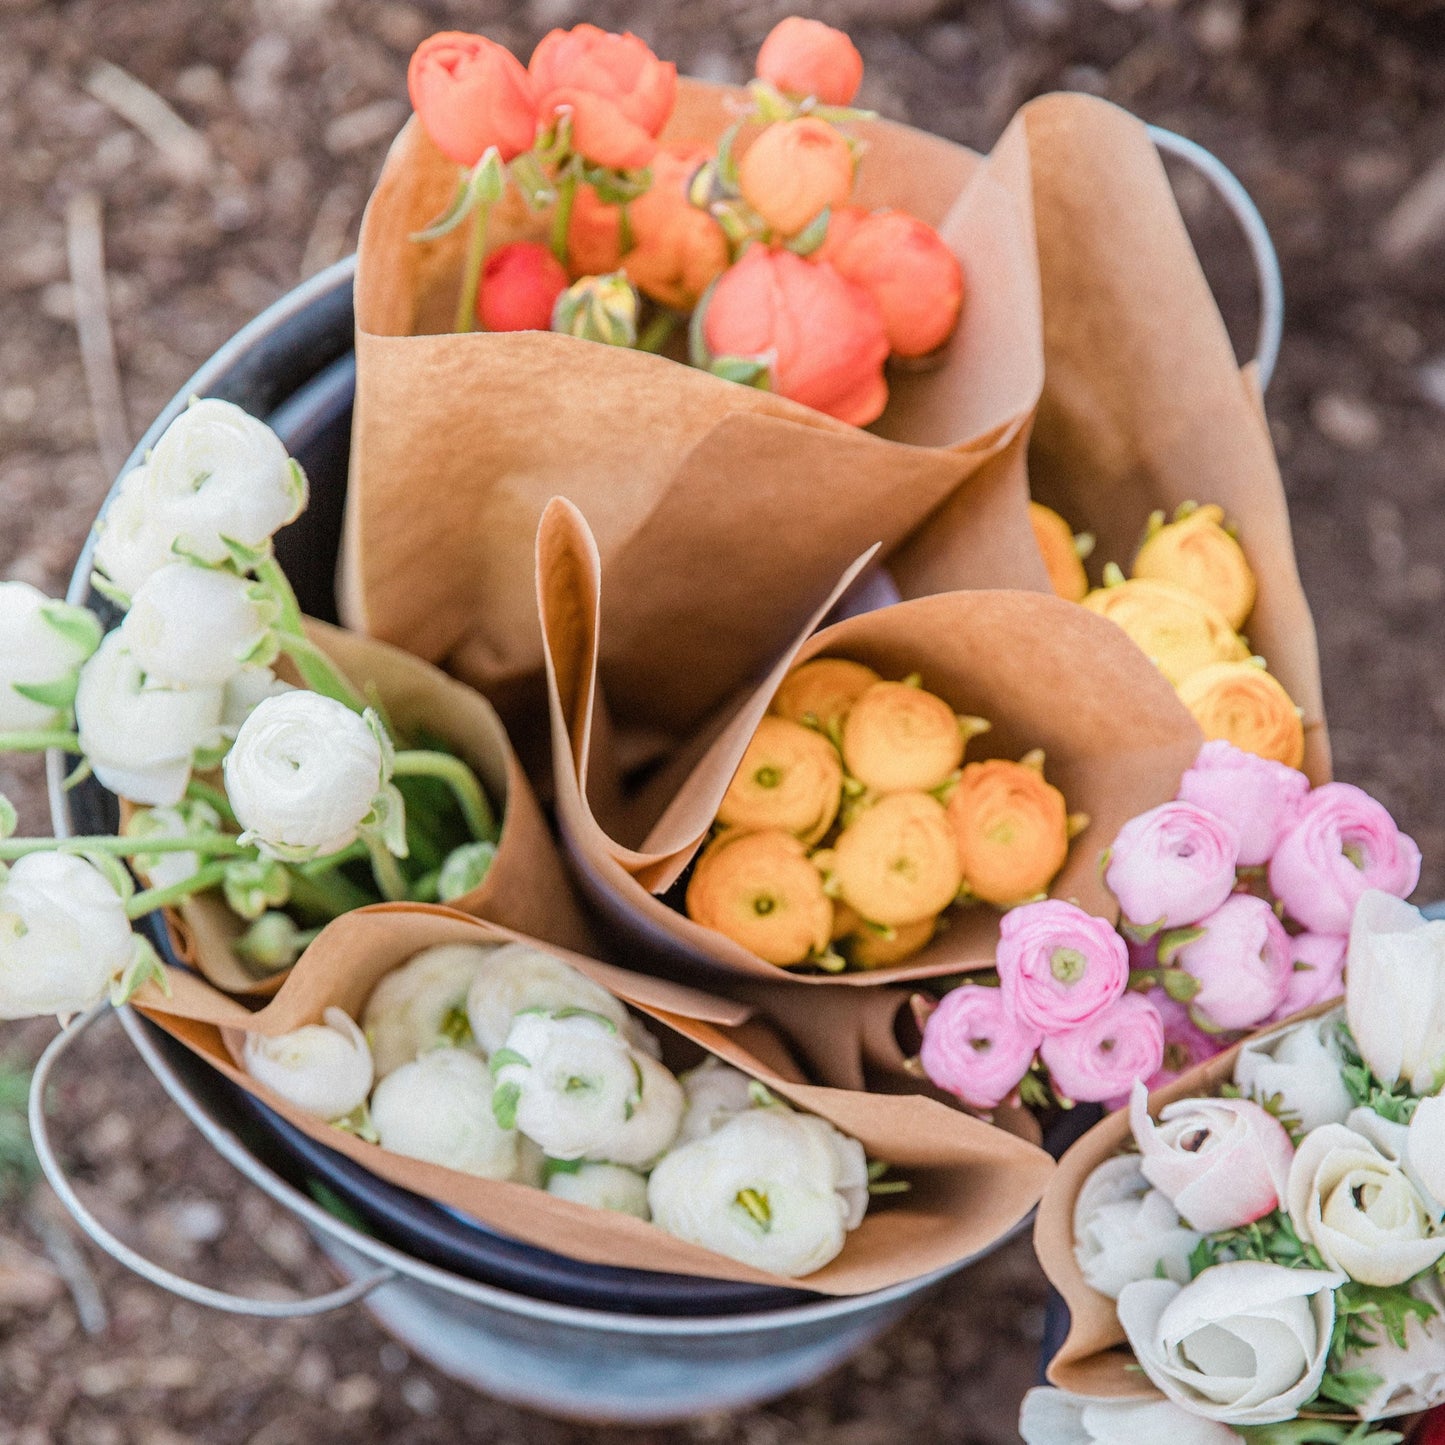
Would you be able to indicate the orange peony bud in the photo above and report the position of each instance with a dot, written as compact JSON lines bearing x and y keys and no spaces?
{"x":471,"y":94}
{"x":1179,"y":632}
{"x":520,"y":284}
{"x":1196,"y":553}
{"x":898,"y":738}
{"x":679,"y":249}
{"x":794,"y":170}
{"x":807,"y":58}
{"x":823,"y":337}
{"x":1055,"y":539}
{"x":790,"y":778}
{"x":1241,"y":703}
{"x":904,"y":266}
{"x":821,"y":692}
{"x":1012,"y":830}
{"x":618,"y":93}
{"x":760,"y":890}
{"x":896,"y":863}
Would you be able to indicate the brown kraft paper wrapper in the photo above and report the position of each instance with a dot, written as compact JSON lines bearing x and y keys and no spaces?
{"x":526,"y":888}
{"x":1046,"y":673}
{"x":722,"y":512}
{"x":1144,"y":406}
{"x":970,"y":1183}
{"x":1095,"y":1358}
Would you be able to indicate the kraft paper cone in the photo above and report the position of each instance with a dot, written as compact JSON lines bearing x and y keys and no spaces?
{"x":1144,"y":406}
{"x":970,"y":1183}
{"x":722,"y":512}
{"x":1047,"y":674}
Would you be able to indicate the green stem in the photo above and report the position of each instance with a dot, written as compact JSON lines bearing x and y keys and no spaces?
{"x":461,"y":780}
{"x":317,"y":670}
{"x":205,"y":793}
{"x":562,"y":214}
{"x":150,"y":899}
{"x":387,"y":871}
{"x":466,"y":318}
{"x":424,"y":890}
{"x":38,"y":742}
{"x":326,"y":895}
{"x":214,"y":845}
{"x":315,"y":867}
{"x":658,"y":332}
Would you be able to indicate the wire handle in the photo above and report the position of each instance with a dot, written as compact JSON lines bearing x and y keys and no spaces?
{"x":137,"y":1263}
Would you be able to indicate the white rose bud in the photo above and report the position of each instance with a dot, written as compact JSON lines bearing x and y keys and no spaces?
{"x":422,"y":1004}
{"x":133,"y":539}
{"x":1126,"y":1231}
{"x":519,"y":977}
{"x":439,"y":1108}
{"x":716,"y":1092}
{"x":305,"y":775}
{"x":1055,"y":1417}
{"x":64,"y":937}
{"x":603,"y":1186}
{"x":1408,"y":1379}
{"x":1300,"y":1066}
{"x":322,"y":1068}
{"x":1245,"y":1343}
{"x":193,"y":626}
{"x":138,"y":736}
{"x":42,"y":645}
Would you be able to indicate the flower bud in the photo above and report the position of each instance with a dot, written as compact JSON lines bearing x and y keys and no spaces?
{"x":520,"y":285}
{"x":322,"y":1068}
{"x":897,"y":861}
{"x":1241,"y":960}
{"x":517,"y":978}
{"x":163,"y":870}
{"x":1055,"y":540}
{"x":465,"y":868}
{"x":1103,"y":1057}
{"x":1012,"y":830}
{"x":438,"y":1108}
{"x":678,"y":248}
{"x":132,"y":536}
{"x":1241,"y":703}
{"x":790,"y":777}
{"x":422,"y":1005}
{"x":1178,"y":631}
{"x":471,"y":94}
{"x":42,"y":645}
{"x":821,"y":692}
{"x":598,"y":308}
{"x":899,"y":738}
{"x":795,"y":170}
{"x":1196,"y":553}
{"x":271,"y":943}
{"x":976,"y":1047}
{"x":193,"y":626}
{"x":1058,"y":966}
{"x":806,"y":58}
{"x":602,"y":1186}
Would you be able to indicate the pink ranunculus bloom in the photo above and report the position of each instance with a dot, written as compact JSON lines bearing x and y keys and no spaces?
{"x":1059,"y":966}
{"x":1317,"y":972}
{"x":1260,"y":797}
{"x":1342,"y":844}
{"x":1102,"y":1058}
{"x":1223,"y":1162}
{"x":1241,"y":961}
{"x":974,"y":1046}
{"x":1185,"y":1044}
{"x":1172,"y":866}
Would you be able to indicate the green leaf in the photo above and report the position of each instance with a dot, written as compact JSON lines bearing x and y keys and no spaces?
{"x":1318,"y":1432}
{"x":551,"y":1166}
{"x":1348,"y":1388}
{"x":753,"y":371}
{"x":1381,"y":1307}
{"x":505,"y":1098}
{"x":506,"y":1057}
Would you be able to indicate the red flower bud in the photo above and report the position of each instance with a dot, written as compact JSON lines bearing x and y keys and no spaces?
{"x":793,"y":170}
{"x":822,"y":336}
{"x":903,"y":264}
{"x":618,"y":93}
{"x":805,"y":57}
{"x":471,"y":94}
{"x":520,"y":284}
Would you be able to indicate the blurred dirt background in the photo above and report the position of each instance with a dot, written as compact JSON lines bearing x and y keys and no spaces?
{"x":225,"y":148}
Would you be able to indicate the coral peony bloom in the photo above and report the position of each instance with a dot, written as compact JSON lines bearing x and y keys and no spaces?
{"x":1196,"y":553}
{"x":520,"y":284}
{"x":905,"y":267}
{"x":471,"y":94}
{"x":1241,"y":961}
{"x":618,"y":94}
{"x":1261,"y":798}
{"x":820,"y":692}
{"x":896,"y":863}
{"x":679,"y":250}
{"x":822,"y":337}
{"x":1179,"y":632}
{"x":899,"y":738}
{"x":1104,"y":1056}
{"x":1055,"y":539}
{"x":790,"y":778}
{"x":1171,"y":866}
{"x":794,"y":170}
{"x":975,"y":1048}
{"x":760,"y":890}
{"x":1241,"y":703}
{"x":1059,"y":966}
{"x":807,"y":58}
{"x":1012,"y":830}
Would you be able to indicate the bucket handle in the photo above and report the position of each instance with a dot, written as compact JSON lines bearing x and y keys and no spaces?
{"x":137,"y":1263}
{"x":1241,"y":204}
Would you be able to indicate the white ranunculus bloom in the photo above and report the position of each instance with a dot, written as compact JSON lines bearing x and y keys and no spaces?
{"x":140,"y":737}
{"x":716,"y":1092}
{"x":1412,"y":1148}
{"x":1412,"y":1378}
{"x":1395,"y":992}
{"x":1244,"y":1343}
{"x":439,"y":1108}
{"x":133,"y":539}
{"x":304,"y":775}
{"x":763,"y":1189}
{"x":192,"y":626}
{"x":64,"y":937}
{"x":419,"y":1006}
{"x":851,"y":1162}
{"x":603,"y":1186}
{"x":1301,"y":1065}
{"x":164,"y":870}
{"x":1124,"y":1230}
{"x":245,"y":690}
{"x":1055,"y":1417}
{"x":519,"y":977}
{"x":322,"y":1068}
{"x":42,"y":645}
{"x":652,"y":1125}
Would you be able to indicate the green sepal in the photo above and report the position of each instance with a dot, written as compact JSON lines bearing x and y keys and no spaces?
{"x":551,"y":1166}
{"x":299,"y":486}
{"x":58,"y":694}
{"x":110,"y":867}
{"x":358,"y":1122}
{"x":254,"y":885}
{"x":752,"y":371}
{"x":505,"y":1098}
{"x":1180,"y":985}
{"x":77,"y":625}
{"x":107,"y":589}
{"x":531,"y":180}
{"x":585,"y":1013}
{"x":481,"y":186}
{"x":503,"y":1058}
{"x":244,"y":557}
{"x":727,"y":162}
{"x":9,"y":819}
{"x":145,"y":966}
{"x":1318,"y":1432}
{"x":763,"y":1097}
{"x":812,"y":235}
{"x":617,"y":188}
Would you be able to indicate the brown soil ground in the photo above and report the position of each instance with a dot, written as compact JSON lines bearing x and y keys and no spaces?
{"x":1331,"y":112}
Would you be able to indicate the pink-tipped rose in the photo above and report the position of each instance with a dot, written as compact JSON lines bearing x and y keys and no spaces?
{"x":1102,"y":1059}
{"x":974,"y":1047}
{"x":1172,"y":866}
{"x":1241,"y":962}
{"x":1342,"y":844}
{"x":1059,"y":966}
{"x":1260,"y":798}
{"x":1223,"y":1162}
{"x":1317,"y":972}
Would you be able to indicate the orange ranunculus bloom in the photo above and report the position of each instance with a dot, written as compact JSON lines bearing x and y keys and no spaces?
{"x":790,"y":778}
{"x":594,"y":235}
{"x":807,"y":58}
{"x":1012,"y":830}
{"x":794,"y":170}
{"x":1241,"y":703}
{"x":867,"y":945}
{"x":1196,"y":553}
{"x":820,"y":692}
{"x":896,"y":863}
{"x":679,"y":249}
{"x":898,"y":738}
{"x":824,"y":336}
{"x":520,"y":284}
{"x":915,"y":279}
{"x":1055,"y":539}
{"x":471,"y":94}
{"x":618,"y":93}
{"x":1179,"y":631}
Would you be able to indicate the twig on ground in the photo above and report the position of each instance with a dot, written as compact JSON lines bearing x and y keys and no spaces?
{"x":71,"y":1266}
{"x":183,"y":148}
